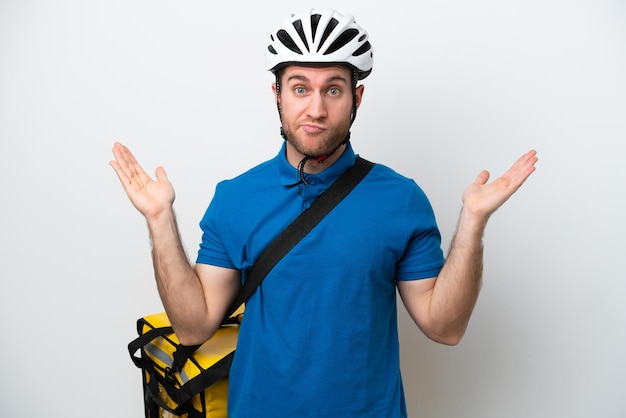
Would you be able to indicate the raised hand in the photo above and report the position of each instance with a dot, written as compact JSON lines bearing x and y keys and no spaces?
{"x":483,"y":199}
{"x":150,"y":197}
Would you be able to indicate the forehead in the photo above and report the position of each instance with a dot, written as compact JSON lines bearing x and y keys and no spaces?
{"x":317,"y":73}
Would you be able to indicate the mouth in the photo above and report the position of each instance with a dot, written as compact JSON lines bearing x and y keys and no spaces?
{"x":312,"y":129}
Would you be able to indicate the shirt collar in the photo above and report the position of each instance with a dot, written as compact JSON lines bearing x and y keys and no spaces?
{"x":289,"y":175}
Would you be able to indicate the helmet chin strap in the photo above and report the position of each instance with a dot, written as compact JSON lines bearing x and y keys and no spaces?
{"x":320,"y":159}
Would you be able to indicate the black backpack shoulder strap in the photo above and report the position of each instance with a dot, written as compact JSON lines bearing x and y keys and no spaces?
{"x":301,"y":226}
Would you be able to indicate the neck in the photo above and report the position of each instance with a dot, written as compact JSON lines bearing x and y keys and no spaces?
{"x":312,"y":166}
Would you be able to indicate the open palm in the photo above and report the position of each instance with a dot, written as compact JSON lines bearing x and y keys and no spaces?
{"x":483,"y":199}
{"x":150,"y":197}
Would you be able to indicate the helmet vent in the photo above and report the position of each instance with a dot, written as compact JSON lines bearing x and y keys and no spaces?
{"x":331,"y":25}
{"x":342,"y":40}
{"x":315,"y":20}
{"x":298,"y":26}
{"x":362,"y":50}
{"x":288,"y":41}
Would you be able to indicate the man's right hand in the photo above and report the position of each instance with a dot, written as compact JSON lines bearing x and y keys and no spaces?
{"x":150,"y":197}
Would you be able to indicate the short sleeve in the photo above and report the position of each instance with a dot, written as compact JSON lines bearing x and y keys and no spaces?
{"x":423,"y":257}
{"x":212,"y":249}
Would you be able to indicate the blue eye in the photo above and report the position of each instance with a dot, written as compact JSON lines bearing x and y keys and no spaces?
{"x":300,"y":90}
{"x":334,"y":91}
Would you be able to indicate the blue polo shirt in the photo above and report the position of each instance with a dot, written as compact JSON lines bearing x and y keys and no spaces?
{"x":319,"y":337}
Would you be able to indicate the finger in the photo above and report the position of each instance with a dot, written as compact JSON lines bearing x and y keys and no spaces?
{"x":129,"y":163}
{"x":523,"y":167}
{"x":120,"y":152}
{"x":121,"y":175}
{"x":128,"y":170}
{"x":530,"y":158}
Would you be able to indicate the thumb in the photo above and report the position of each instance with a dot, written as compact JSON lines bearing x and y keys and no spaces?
{"x":482,"y":177}
{"x":160,"y":174}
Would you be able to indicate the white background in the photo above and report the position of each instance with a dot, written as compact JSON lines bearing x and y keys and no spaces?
{"x":457,"y":86}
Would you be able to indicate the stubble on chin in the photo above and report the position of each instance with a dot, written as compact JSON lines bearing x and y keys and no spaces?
{"x":316,"y":145}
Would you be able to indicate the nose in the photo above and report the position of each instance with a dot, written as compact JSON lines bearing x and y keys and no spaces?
{"x":316,"y":108}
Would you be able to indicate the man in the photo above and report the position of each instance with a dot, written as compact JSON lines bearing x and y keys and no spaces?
{"x":319,"y":337}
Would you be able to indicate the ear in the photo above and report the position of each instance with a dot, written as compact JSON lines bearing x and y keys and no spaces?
{"x":276,"y":96}
{"x":359,"y":94}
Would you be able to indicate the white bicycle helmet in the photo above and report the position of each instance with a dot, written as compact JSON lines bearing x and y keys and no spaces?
{"x":319,"y":37}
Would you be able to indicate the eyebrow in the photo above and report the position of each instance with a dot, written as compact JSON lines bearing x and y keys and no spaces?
{"x":328,"y":80}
